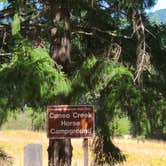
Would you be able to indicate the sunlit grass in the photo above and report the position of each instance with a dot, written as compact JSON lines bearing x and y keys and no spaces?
{"x":143,"y":153}
{"x":136,"y":159}
{"x":147,"y":153}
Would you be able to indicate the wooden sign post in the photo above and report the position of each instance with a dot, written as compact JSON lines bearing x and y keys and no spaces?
{"x":85,"y":148}
{"x":71,"y":121}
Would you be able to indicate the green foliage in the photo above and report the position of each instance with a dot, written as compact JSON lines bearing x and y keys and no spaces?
{"x":109,"y":86}
{"x":155,"y":111}
{"x":121,"y":126}
{"x":15,"y":24}
{"x":30,"y":79}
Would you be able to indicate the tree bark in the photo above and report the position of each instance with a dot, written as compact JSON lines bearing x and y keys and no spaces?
{"x":60,"y":33}
{"x":60,"y":150}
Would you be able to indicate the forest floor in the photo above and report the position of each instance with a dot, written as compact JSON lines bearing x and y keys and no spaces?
{"x":138,"y":152}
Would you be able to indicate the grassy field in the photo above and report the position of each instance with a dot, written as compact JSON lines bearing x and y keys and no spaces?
{"x":138,"y":152}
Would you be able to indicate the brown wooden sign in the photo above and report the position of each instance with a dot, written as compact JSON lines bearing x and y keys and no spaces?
{"x":70,"y":121}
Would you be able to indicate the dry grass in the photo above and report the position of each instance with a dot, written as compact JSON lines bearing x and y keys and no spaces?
{"x":14,"y":141}
{"x":147,"y":153}
{"x":143,"y":152}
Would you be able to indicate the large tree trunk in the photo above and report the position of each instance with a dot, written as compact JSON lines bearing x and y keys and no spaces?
{"x":60,"y":33}
{"x":60,"y":150}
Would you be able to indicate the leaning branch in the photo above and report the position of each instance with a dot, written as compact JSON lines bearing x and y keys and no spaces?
{"x":95,"y":30}
{"x":111,"y":34}
{"x":150,"y":33}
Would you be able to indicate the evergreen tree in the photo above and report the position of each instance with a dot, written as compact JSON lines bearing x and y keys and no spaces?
{"x":102,"y":47}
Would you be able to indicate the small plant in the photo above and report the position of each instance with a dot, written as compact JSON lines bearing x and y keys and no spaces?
{"x":5,"y":160}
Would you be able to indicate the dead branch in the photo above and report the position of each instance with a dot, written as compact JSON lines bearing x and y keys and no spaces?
{"x":82,"y":33}
{"x":141,"y":50}
{"x":5,"y":54}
